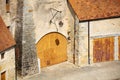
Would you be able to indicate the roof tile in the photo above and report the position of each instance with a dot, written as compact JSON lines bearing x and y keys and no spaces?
{"x":6,"y":40}
{"x":95,"y":9}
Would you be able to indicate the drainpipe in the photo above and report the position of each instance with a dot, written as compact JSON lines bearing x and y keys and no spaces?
{"x":15,"y":62}
{"x":74,"y":42}
{"x":88,"y":42}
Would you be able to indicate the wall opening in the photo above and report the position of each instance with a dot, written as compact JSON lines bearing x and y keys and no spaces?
{"x":8,"y":27}
{"x":7,"y":6}
{"x":52,"y":49}
{"x":2,"y":55}
{"x":3,"y":76}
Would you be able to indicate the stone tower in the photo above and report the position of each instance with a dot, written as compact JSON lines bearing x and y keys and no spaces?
{"x":27,"y":63}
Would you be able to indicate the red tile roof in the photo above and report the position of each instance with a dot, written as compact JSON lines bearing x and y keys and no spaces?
{"x":6,"y":40}
{"x":95,"y":9}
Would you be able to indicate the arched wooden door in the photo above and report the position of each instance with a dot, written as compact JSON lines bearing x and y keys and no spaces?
{"x":52,"y":49}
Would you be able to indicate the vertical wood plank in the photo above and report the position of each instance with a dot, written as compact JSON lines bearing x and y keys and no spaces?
{"x":94,"y":50}
{"x":97,"y":50}
{"x":107,"y":49}
{"x":112,"y":48}
{"x":119,"y":46}
{"x":103,"y":49}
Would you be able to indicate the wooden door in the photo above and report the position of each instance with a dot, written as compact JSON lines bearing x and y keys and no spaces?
{"x":103,"y":49}
{"x":119,"y":47}
{"x":7,"y":5}
{"x":3,"y":76}
{"x":52,"y":49}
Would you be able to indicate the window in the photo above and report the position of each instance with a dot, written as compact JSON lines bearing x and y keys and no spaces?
{"x":7,"y":6}
{"x":3,"y":76}
{"x":8,"y":27}
{"x":2,"y":55}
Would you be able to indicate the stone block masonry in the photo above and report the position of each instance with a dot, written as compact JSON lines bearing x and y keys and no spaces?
{"x":5,"y":64}
{"x":27,"y":59}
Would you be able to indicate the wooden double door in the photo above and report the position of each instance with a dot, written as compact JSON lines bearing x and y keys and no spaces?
{"x":103,"y":49}
{"x":52,"y":49}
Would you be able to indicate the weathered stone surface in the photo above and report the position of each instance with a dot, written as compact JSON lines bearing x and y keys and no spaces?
{"x":18,"y":35}
{"x":36,"y":16}
{"x":29,"y":56}
{"x":8,"y":63}
{"x":31,"y":20}
{"x":43,"y":12}
{"x":105,"y":28}
{"x":25,"y":37}
{"x":5,"y":64}
{"x":83,"y":43}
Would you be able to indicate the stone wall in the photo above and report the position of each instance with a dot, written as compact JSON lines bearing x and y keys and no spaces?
{"x":3,"y":13}
{"x":82,"y":43}
{"x":44,"y":12}
{"x":98,"y":29}
{"x":47,"y":15}
{"x":30,"y":21}
{"x":29,"y":56}
{"x":9,"y":18}
{"x":18,"y":35}
{"x":7,"y":64}
{"x":13,"y":16}
{"x":22,"y":27}
{"x":105,"y":28}
{"x":25,"y":38}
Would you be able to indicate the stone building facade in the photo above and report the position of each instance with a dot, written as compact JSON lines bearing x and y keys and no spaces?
{"x":35,"y":19}
{"x":7,"y":56}
{"x":31,"y":21}
{"x":47,"y":16}
{"x":100,"y":29}
{"x":7,"y":65}
{"x":7,"y":53}
{"x":97,"y":33}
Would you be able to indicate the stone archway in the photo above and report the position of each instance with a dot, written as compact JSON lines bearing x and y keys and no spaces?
{"x":52,"y":49}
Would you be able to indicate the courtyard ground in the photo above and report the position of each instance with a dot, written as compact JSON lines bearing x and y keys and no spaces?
{"x":68,"y":71}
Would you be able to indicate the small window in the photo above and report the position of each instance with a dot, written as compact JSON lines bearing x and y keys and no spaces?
{"x":7,"y":6}
{"x":2,"y":55}
{"x":3,"y":76}
{"x":8,"y":27}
